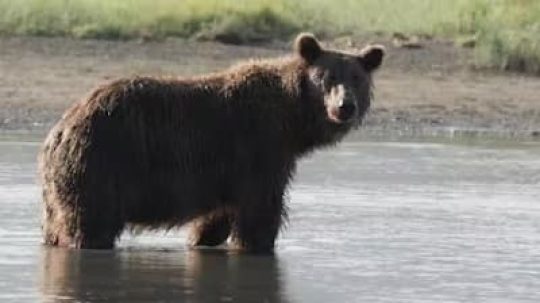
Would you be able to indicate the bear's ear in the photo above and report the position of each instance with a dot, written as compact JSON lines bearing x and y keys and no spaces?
{"x":307,"y":46}
{"x":371,"y":57}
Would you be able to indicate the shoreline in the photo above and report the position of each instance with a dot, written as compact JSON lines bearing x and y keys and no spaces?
{"x":373,"y":132}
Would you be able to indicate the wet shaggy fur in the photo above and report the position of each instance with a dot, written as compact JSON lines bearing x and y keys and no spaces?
{"x":218,"y":151}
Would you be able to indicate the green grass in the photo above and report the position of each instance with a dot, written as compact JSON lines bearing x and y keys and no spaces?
{"x":509,"y":35}
{"x":262,"y":19}
{"x":252,"y":19}
{"x":508,"y":31}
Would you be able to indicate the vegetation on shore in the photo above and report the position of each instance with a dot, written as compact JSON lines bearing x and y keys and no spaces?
{"x":506,"y":32}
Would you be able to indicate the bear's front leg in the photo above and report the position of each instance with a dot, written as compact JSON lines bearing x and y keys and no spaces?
{"x":257,"y":224}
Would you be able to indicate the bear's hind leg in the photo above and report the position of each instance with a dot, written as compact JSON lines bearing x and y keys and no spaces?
{"x":210,"y":230}
{"x":66,"y":228}
{"x":98,"y":237}
{"x":55,"y":228}
{"x":100,"y":223}
{"x":83,"y":221}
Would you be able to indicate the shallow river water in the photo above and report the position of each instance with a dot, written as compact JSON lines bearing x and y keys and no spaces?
{"x":370,"y":221}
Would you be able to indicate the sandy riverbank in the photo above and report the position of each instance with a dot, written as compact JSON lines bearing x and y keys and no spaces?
{"x":426,"y":90}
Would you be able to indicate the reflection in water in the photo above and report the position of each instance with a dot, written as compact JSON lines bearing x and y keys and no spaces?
{"x":164,"y":276}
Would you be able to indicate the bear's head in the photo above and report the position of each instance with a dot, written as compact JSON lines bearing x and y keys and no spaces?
{"x":340,"y":81}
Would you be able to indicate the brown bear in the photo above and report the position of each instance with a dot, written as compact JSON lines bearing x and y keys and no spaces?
{"x":217,"y":150}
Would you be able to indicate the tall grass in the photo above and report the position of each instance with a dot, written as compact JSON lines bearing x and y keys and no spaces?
{"x":132,"y":18}
{"x":508,"y":35}
{"x":247,"y":19}
{"x":409,"y":16}
{"x":507,"y":31}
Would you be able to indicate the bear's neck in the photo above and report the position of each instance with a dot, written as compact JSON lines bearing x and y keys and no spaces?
{"x":276,"y":88}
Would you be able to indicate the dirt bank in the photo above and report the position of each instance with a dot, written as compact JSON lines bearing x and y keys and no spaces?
{"x":425,"y":90}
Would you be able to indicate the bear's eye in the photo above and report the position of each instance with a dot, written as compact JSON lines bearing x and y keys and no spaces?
{"x":355,"y":77}
{"x":331,"y":78}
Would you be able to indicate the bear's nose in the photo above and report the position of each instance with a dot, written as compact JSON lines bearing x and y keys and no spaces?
{"x":346,"y":111}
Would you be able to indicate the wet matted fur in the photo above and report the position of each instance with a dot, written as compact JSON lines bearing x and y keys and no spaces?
{"x":217,"y":150}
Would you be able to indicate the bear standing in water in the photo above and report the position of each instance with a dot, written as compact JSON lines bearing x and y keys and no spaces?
{"x":217,"y":150}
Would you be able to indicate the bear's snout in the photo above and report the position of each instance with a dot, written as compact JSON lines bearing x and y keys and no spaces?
{"x":346,"y":111}
{"x":343,"y":113}
{"x":341,"y":105}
